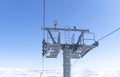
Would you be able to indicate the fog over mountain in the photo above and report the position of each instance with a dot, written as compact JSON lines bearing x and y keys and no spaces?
{"x":48,"y":73}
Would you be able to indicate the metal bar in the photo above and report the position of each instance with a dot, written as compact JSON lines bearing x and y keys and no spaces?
{"x":79,"y":39}
{"x":89,"y":39}
{"x":59,"y":38}
{"x":66,"y":62}
{"x":65,"y":29}
{"x":51,"y":37}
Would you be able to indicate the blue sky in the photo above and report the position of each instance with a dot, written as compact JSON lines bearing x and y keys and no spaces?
{"x":21,"y":34}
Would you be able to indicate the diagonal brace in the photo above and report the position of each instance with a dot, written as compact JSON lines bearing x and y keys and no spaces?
{"x":51,"y":37}
{"x":79,"y":39}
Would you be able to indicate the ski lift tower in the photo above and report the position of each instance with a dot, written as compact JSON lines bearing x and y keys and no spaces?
{"x":71,"y":50}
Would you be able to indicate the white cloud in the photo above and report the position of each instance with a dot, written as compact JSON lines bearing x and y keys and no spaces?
{"x":8,"y":72}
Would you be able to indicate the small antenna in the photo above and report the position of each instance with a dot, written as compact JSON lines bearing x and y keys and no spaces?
{"x":55,"y":23}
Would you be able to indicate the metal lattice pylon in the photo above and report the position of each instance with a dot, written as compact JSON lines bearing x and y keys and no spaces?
{"x":70,"y":50}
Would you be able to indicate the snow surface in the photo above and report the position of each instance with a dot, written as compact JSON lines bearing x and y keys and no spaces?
{"x":48,"y":73}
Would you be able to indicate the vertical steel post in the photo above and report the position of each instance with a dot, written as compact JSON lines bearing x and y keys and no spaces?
{"x":66,"y":62}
